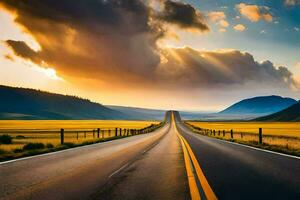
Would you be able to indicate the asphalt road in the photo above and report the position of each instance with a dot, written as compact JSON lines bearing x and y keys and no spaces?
{"x":238,"y":172}
{"x":146,"y":166}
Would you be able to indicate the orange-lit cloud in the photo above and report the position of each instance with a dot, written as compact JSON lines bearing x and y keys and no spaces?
{"x":255,"y":13}
{"x":219,"y":18}
{"x":221,"y":68}
{"x":216,"y":16}
{"x":12,"y":30}
{"x":239,"y":27}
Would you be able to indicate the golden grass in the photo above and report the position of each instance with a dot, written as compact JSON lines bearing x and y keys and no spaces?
{"x":16,"y":127}
{"x":72,"y":124}
{"x":285,"y":134}
{"x":269,"y":128}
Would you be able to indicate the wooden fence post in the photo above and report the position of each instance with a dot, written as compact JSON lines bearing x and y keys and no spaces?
{"x":62,"y":137}
{"x":241,"y":135}
{"x":223,"y":133}
{"x":98,"y":132}
{"x":219,"y":133}
{"x":120,"y":131}
{"x":109,"y":133}
{"x":214,"y":132}
{"x":231,"y":134}
{"x":116,"y":133}
{"x":260,"y":136}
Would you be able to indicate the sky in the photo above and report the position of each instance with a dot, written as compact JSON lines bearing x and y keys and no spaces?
{"x":200,"y":55}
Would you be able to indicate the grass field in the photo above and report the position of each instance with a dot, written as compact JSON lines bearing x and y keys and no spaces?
{"x":71,"y":124}
{"x":269,"y":128}
{"x":48,"y":131}
{"x":282,"y":136}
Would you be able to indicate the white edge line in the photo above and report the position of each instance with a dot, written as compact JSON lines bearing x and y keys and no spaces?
{"x":264,"y":150}
{"x":118,"y":170}
{"x":255,"y":148}
{"x":61,"y":151}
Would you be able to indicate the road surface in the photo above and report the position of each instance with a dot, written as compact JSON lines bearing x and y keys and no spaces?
{"x":237,"y":172}
{"x":170,"y":163}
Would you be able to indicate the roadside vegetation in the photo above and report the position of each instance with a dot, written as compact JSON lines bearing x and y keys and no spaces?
{"x":279,"y":137}
{"x":38,"y":137}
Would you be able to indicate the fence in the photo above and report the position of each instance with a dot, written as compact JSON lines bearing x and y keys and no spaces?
{"x":288,"y":142}
{"x":63,"y":136}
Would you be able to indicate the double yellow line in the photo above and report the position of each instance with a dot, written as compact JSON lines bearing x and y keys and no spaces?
{"x":190,"y":163}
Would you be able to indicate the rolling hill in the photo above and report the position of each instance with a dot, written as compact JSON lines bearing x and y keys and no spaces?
{"x":290,"y":114}
{"x":21,"y":103}
{"x":139,"y":113}
{"x":259,"y":106}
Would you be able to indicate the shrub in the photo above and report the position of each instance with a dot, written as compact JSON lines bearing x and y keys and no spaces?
{"x":2,"y":151}
{"x":49,"y":146}
{"x":5,"y":139}
{"x":18,"y":150}
{"x":20,"y":137}
{"x":33,"y":146}
{"x":69,"y":144}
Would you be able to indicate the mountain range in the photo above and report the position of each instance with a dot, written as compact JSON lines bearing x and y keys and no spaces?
{"x":262,"y":105}
{"x":22,"y":103}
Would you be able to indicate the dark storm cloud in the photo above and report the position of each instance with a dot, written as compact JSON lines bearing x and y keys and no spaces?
{"x":183,"y":15}
{"x":90,"y":38}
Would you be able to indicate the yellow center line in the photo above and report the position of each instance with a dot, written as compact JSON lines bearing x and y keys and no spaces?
{"x":195,"y":195}
{"x":209,"y":193}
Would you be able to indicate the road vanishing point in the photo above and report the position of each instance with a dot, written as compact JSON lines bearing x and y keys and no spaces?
{"x":170,"y":163}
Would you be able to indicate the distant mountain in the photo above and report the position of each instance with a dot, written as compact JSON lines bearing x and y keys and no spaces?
{"x":21,"y":103}
{"x":139,"y":113}
{"x":259,"y":106}
{"x":152,"y":114}
{"x":290,"y":114}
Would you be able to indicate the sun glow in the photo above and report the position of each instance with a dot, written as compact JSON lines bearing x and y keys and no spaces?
{"x":10,"y":30}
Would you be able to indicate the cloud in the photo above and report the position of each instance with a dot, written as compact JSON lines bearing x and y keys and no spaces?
{"x":298,"y":65}
{"x":22,"y":49}
{"x":182,"y":15}
{"x":239,"y":27}
{"x":115,"y":42}
{"x":107,"y":39}
{"x":254,"y":13}
{"x":90,"y":39}
{"x":263,"y":32}
{"x":222,"y":68}
{"x":216,"y":16}
{"x":291,"y":2}
{"x":219,"y":18}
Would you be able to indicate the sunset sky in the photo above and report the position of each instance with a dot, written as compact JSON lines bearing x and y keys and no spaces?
{"x":191,"y":54}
